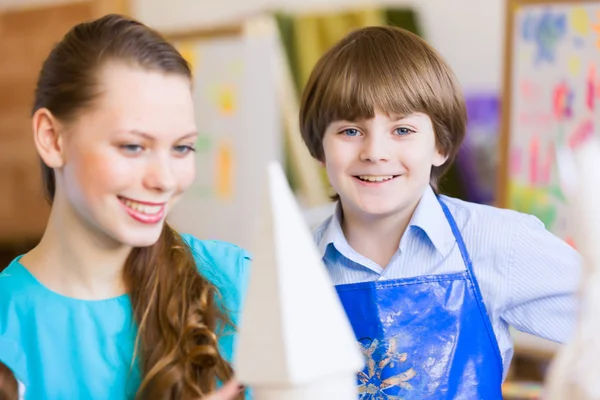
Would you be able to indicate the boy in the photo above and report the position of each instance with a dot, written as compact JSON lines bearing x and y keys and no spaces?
{"x":430,"y":283}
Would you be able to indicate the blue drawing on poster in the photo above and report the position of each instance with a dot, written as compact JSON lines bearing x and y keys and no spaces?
{"x":545,"y":30}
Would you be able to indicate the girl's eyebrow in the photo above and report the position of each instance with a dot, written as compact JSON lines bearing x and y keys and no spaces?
{"x":150,"y":137}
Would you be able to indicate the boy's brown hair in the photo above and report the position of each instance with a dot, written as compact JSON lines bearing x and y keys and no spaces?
{"x":389,"y":69}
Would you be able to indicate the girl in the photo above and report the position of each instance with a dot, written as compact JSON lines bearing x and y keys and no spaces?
{"x":113,"y":303}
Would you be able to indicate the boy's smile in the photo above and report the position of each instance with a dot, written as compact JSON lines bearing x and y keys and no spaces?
{"x":368,"y":179}
{"x":380,"y":166}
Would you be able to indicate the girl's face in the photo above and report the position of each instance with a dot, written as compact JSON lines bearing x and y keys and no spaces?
{"x":128,"y":159}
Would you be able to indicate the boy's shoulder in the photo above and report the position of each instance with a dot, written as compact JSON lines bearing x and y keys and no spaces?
{"x":492,"y":230}
{"x":465,"y":213}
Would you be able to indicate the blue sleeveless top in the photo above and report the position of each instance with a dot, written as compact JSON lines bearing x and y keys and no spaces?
{"x":64,"y":348}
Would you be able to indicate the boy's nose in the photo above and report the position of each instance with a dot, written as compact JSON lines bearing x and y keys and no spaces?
{"x":375,"y":149}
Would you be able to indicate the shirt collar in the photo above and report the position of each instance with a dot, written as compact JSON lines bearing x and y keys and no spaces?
{"x":428,"y":216}
{"x":333,"y":231}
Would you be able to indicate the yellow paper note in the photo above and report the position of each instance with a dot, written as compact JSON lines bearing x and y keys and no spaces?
{"x":224,"y":98}
{"x":227,"y":100}
{"x":224,"y":171}
{"x":580,"y":21}
{"x":596,"y":28}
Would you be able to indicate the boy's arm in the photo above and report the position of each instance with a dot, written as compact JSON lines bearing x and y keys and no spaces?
{"x":544,"y":273}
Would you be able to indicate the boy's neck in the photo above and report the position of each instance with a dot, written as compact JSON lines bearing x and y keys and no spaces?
{"x":376,"y":238}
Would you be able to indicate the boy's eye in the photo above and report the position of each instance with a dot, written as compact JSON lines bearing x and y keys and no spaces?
{"x":184,"y":149}
{"x":351,"y":132}
{"x":403,"y":131}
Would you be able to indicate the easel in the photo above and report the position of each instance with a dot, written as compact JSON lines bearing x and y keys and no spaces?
{"x":310,"y":189}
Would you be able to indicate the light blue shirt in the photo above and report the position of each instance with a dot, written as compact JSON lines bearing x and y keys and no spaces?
{"x":64,"y":348}
{"x":528,"y":277}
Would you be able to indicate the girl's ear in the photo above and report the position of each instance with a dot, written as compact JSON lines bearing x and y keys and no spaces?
{"x":47,"y":138}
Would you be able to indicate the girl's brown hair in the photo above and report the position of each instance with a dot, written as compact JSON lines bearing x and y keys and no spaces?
{"x":176,"y":309}
{"x":389,"y":69}
{"x":9,"y":388}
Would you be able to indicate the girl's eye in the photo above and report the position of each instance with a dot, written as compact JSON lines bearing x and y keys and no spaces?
{"x":184,"y":149}
{"x":132,"y":148}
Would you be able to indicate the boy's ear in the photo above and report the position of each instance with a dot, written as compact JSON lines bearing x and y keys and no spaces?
{"x":47,"y":138}
{"x":439,"y":159}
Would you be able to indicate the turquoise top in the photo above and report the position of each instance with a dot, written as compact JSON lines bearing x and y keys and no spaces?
{"x":65,"y":348}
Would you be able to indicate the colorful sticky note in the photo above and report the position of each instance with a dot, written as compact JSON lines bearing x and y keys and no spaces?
{"x":592,"y":86}
{"x":203,"y":143}
{"x":227,"y":100}
{"x":224,"y":171}
{"x":581,"y":134}
{"x":563,"y":97}
{"x":580,"y":21}
{"x":533,"y":200}
{"x":596,"y":28}
{"x":224,"y":97}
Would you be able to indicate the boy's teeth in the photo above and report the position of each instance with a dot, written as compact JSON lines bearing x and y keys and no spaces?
{"x":143,"y":208}
{"x":371,"y":178}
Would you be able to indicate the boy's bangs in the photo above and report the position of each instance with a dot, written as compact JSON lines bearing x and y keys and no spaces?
{"x":363,"y":82}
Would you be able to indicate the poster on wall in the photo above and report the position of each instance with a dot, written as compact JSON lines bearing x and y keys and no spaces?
{"x":552,"y":99}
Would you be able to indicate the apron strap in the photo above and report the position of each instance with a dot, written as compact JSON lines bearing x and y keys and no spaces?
{"x":459,"y":239}
{"x":469,"y":264}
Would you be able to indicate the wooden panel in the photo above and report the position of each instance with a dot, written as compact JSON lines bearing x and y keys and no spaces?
{"x":26,"y":38}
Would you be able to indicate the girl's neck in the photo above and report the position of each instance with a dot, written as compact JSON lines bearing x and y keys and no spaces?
{"x":76,"y":260}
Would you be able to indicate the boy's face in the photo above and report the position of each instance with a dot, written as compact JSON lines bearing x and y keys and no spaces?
{"x":380,"y":167}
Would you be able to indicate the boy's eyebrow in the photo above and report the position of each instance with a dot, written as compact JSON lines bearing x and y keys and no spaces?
{"x":398,"y":117}
{"x":336,"y":122}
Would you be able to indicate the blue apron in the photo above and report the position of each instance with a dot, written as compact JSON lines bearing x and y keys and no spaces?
{"x":427,"y":337}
